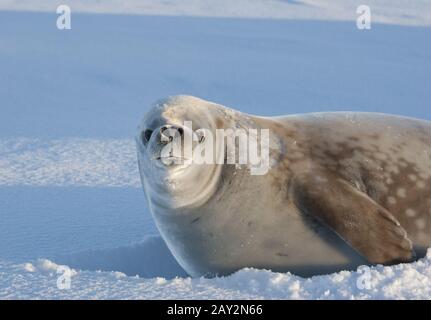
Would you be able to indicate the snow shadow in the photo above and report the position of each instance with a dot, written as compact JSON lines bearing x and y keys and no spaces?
{"x":148,"y":259}
{"x":107,"y":229}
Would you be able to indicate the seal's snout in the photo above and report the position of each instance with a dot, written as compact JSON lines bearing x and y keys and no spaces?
{"x":168,"y":132}
{"x":163,"y":135}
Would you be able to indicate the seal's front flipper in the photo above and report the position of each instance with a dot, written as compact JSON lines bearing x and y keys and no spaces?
{"x":368,"y":227}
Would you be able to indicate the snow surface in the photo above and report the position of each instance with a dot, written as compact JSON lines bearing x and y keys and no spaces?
{"x":98,"y":79}
{"x":403,"y":12}
{"x":71,"y":100}
{"x":69,"y":162}
{"x":39,"y":281}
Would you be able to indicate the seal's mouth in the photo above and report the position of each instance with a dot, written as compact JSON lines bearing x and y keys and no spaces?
{"x":176,"y":159}
{"x":172,"y":163}
{"x":163,"y":158}
{"x":168,"y":157}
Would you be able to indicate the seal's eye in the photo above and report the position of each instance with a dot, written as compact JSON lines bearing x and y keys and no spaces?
{"x":146,"y":135}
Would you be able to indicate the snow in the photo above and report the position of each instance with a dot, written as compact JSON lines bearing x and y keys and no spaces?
{"x":76,"y":83}
{"x":69,"y":162}
{"x":404,"y":281}
{"x":71,"y":100}
{"x":402,"y":12}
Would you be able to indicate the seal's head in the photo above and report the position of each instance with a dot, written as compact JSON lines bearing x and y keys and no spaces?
{"x":166,"y":139}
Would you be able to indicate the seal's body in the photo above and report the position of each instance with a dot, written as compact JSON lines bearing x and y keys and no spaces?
{"x":343,"y":189}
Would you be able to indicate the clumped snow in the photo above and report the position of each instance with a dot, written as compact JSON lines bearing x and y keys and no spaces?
{"x":404,"y":281}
